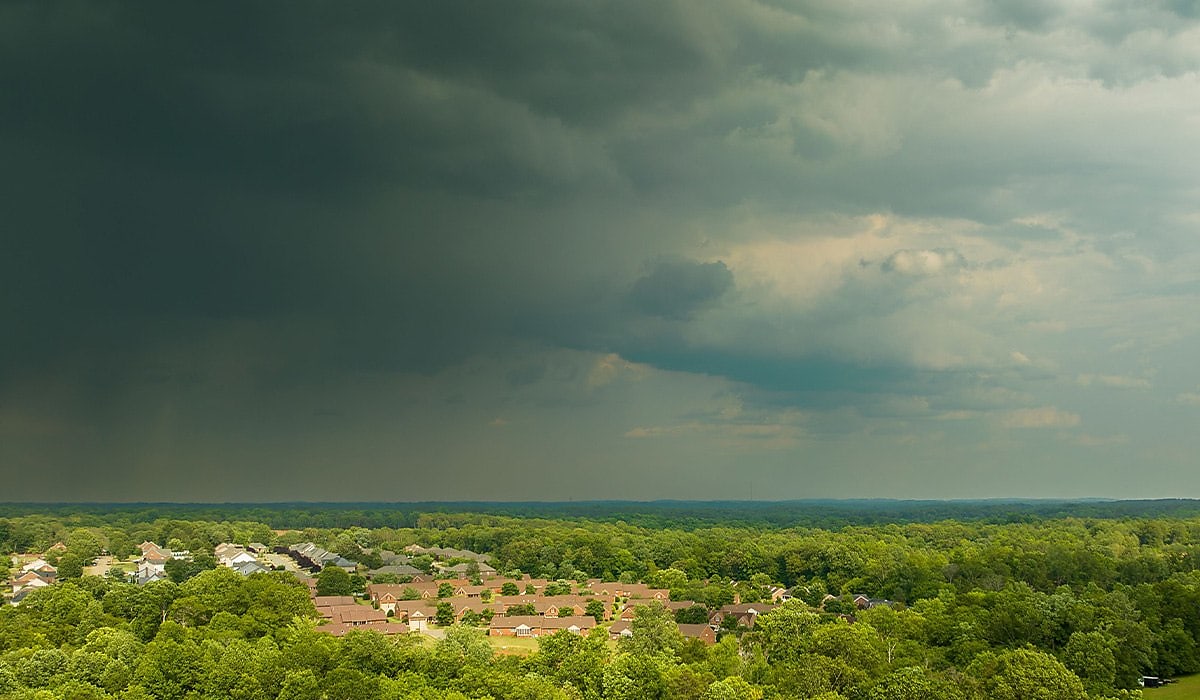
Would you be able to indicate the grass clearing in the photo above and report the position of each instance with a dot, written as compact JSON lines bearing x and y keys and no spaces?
{"x":1188,"y":688}
{"x":514,"y":645}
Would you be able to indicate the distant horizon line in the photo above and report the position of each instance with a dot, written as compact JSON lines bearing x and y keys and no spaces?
{"x":605,"y":501}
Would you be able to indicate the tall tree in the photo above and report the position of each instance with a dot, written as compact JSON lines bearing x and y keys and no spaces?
{"x":653,"y":632}
{"x":334,"y":580}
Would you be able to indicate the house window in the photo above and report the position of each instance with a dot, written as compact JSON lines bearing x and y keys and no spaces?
{"x":523,"y":631}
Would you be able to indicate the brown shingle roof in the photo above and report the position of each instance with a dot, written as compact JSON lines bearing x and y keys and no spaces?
{"x":583,"y":622}
{"x":339,"y":629}
{"x":356,"y":614}
{"x":325,"y":601}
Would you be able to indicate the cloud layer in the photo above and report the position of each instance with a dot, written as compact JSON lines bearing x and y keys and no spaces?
{"x":711,"y":249}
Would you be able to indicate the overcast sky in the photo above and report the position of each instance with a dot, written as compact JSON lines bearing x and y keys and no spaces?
{"x":552,"y":249}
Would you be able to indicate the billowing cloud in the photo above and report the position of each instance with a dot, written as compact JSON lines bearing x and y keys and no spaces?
{"x":924,"y":262}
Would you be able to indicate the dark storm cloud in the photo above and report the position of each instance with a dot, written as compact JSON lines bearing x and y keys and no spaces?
{"x":243,"y":234}
{"x":167,"y":170}
{"x":168,"y":161}
{"x":442,"y":96}
{"x":676,"y":289}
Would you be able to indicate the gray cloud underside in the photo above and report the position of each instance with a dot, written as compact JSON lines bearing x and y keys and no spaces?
{"x":893,"y":219}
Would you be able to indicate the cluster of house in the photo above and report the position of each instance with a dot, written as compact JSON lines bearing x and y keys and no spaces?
{"x":152,"y":563}
{"x":447,"y":553}
{"x":864,"y":602}
{"x":34,"y":575}
{"x":397,"y":565}
{"x":314,"y":558}
{"x":743,"y":614}
{"x":476,"y":564}
{"x":243,"y":560}
{"x":310,"y":556}
{"x":342,"y":613}
{"x":397,"y":608}
{"x":416,"y":603}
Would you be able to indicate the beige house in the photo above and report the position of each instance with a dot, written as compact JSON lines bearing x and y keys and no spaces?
{"x":538,"y":626}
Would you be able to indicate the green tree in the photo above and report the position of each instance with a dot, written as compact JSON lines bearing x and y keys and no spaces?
{"x":653,"y":632}
{"x":178,"y":570}
{"x":670,"y":578}
{"x":171,"y":666}
{"x":557,"y":588}
{"x":858,"y":645}
{"x":300,"y":685}
{"x":840,"y":606}
{"x":509,"y":588}
{"x":634,"y":677}
{"x":243,"y":670}
{"x":70,"y":565}
{"x":694,"y":615}
{"x":897,"y":629}
{"x":38,"y":668}
{"x":912,"y":683}
{"x":784,"y":634}
{"x":304,"y":648}
{"x":424,"y":562}
{"x":461,"y":647}
{"x":346,"y":683}
{"x":371,"y":653}
{"x":1092,"y":656}
{"x":85,"y":544}
{"x":1026,"y":674}
{"x":732,"y":688}
{"x":596,"y":609}
{"x":206,"y":594}
{"x":334,"y":580}
{"x":445,"y":613}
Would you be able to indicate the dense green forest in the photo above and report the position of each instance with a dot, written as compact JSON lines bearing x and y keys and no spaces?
{"x":673,"y":514}
{"x":989,"y":600}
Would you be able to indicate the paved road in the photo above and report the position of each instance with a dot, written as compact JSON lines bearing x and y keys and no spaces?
{"x":283,"y":560}
{"x":100,"y":568}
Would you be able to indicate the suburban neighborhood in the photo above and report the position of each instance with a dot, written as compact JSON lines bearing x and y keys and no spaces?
{"x":455,"y":586}
{"x":128,"y":604}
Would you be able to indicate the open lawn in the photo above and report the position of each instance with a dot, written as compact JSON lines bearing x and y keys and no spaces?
{"x":514,"y":645}
{"x":1188,"y":688}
